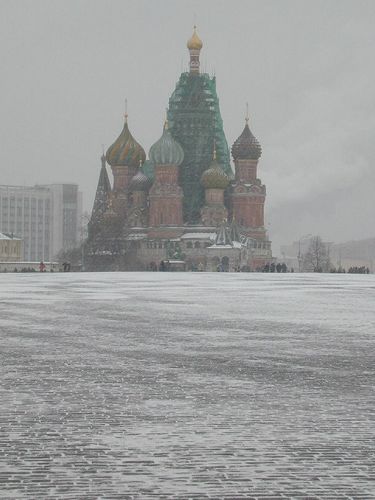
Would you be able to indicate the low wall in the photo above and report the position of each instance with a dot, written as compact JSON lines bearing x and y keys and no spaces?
{"x":10,"y":267}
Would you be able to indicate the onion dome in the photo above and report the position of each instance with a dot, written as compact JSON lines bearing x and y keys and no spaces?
{"x":246,"y":147}
{"x":194,"y":42}
{"x":140,"y":182}
{"x":125,"y":151}
{"x":166,"y":151}
{"x":214,"y":177}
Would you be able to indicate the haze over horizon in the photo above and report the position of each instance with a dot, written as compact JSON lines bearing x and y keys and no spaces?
{"x":304,"y":68}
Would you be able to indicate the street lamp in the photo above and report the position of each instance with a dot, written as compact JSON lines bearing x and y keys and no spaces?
{"x":85,"y":218}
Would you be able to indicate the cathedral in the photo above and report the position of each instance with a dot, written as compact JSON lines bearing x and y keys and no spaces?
{"x":183,"y":208}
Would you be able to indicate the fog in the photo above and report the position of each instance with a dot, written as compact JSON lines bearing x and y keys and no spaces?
{"x":305,"y":67}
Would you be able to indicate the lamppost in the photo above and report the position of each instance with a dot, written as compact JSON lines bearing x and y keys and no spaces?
{"x":85,"y":218}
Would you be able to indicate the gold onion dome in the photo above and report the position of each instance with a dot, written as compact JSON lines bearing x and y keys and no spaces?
{"x":214,"y":177}
{"x":166,"y":151}
{"x":247,"y":146}
{"x":194,"y":42}
{"x":125,"y":151}
{"x":140,"y":182}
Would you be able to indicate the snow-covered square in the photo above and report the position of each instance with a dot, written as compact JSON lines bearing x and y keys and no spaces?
{"x":187,"y":385}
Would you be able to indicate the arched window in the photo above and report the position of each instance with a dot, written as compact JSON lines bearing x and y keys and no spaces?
{"x":189,"y":244}
{"x":197,"y":244}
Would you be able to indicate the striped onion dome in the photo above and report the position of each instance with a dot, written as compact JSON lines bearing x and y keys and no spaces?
{"x":214,"y":177}
{"x":166,"y":151}
{"x":140,"y":181}
{"x":246,"y":147}
{"x":125,"y":151}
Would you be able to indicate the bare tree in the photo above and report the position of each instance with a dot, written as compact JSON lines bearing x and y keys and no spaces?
{"x":317,"y":256}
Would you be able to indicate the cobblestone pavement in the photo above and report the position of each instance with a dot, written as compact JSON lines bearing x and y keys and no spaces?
{"x":168,"y":385}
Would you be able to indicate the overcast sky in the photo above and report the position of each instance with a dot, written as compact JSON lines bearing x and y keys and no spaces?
{"x":305,"y":67}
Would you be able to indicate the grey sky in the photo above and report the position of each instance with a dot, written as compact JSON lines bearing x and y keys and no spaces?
{"x":305,"y":67}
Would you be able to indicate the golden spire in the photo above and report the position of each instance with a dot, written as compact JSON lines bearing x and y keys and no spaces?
{"x":247,"y":113}
{"x":194,"y":43}
{"x":103,"y":156}
{"x":126,"y":111}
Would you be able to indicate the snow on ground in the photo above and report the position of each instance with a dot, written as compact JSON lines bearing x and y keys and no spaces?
{"x":187,"y":385}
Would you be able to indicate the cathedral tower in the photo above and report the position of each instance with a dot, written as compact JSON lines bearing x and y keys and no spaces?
{"x":195,"y":122}
{"x":124,"y":156}
{"x":215,"y":181}
{"x":138,"y":189}
{"x":248,"y":193}
{"x":166,"y":194}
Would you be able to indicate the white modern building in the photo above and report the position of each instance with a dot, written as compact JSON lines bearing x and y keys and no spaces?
{"x":46,"y":217}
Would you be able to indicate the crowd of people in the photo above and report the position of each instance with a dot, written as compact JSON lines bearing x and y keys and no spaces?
{"x":359,"y":270}
{"x":165,"y":265}
{"x":276,"y":268}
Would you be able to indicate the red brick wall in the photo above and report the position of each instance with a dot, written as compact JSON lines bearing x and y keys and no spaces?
{"x":166,"y":197}
{"x":166,"y":174}
{"x":246,"y":171}
{"x":249,"y":210}
{"x":166,"y":211}
{"x":122,"y":177}
{"x":138,"y":199}
{"x":214,"y":196}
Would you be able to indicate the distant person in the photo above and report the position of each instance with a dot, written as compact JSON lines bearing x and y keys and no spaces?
{"x":42,"y":267}
{"x":66,"y":267}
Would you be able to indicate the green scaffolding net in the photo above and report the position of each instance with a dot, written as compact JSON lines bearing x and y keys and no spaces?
{"x":195,"y":122}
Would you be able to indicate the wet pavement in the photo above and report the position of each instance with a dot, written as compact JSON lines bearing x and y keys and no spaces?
{"x":187,"y":385}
